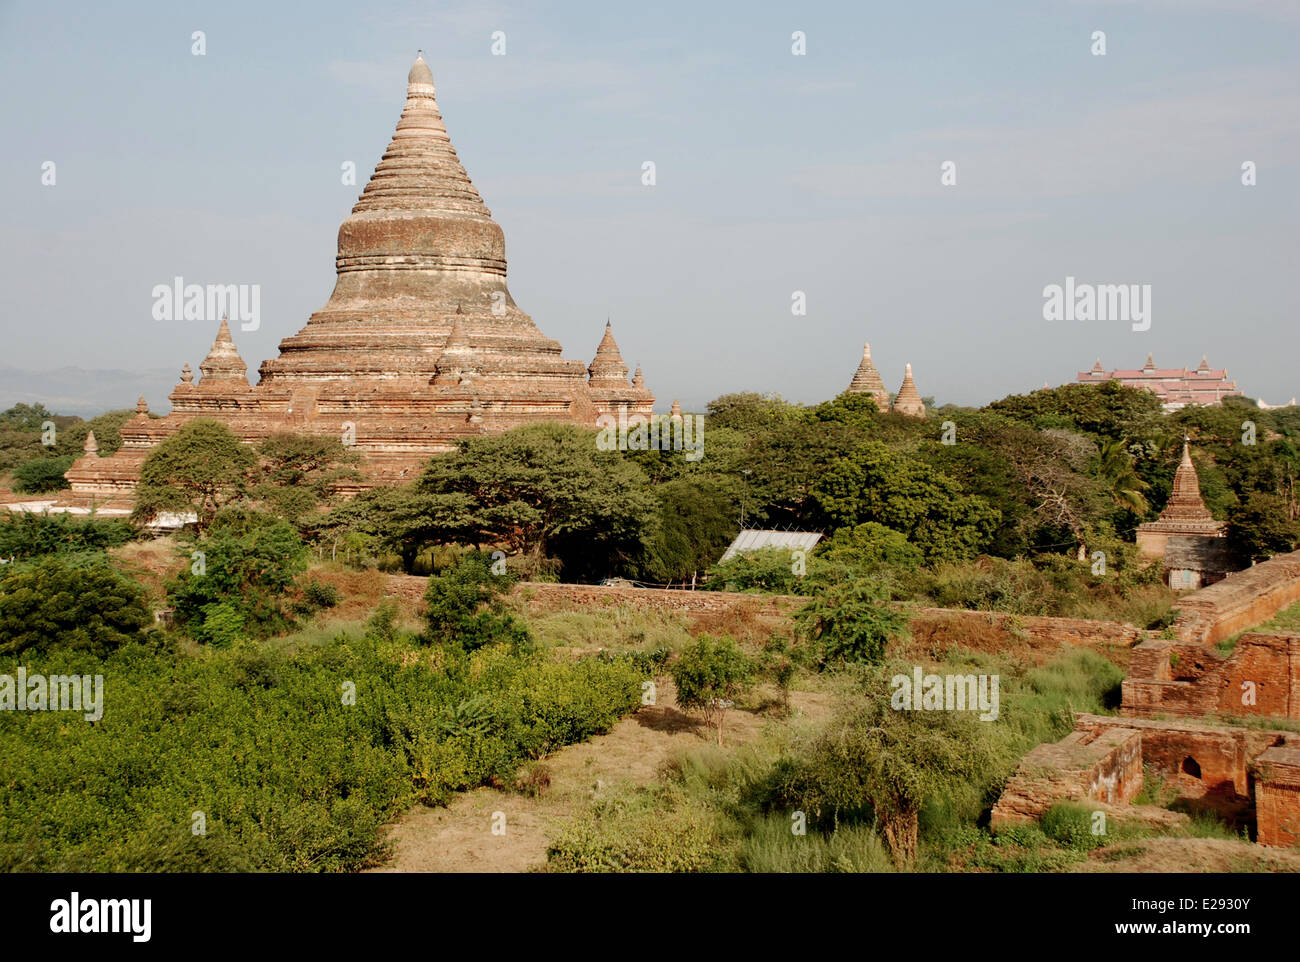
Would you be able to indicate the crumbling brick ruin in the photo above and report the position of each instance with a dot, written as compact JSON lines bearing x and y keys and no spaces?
{"x":1245,"y":774}
{"x":1180,"y":699}
{"x":1242,"y":600}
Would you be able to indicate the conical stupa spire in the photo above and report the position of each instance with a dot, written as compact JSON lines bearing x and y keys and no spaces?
{"x":676,"y":411}
{"x":420,"y":169}
{"x":223,"y":362}
{"x":608,"y":367}
{"x":908,"y":401}
{"x":866,"y":380}
{"x":1185,"y":501}
{"x":91,"y":446}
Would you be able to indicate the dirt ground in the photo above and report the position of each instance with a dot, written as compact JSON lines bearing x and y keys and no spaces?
{"x":1190,"y":855}
{"x":458,"y":838}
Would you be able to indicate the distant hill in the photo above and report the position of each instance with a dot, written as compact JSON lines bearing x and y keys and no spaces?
{"x":76,"y":390}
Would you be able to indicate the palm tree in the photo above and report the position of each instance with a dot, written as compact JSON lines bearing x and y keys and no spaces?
{"x":1117,"y":475}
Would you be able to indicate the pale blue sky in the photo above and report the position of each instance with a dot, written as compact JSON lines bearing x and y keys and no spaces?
{"x":775,"y":173}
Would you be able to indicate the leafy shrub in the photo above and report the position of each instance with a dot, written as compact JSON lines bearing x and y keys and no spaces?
{"x":464,"y":606}
{"x":25,"y":534}
{"x":321,"y":594}
{"x":765,"y":570}
{"x":869,"y":547}
{"x":709,"y":675}
{"x":646,"y":831}
{"x":76,"y":602}
{"x":291,"y":778}
{"x":382,"y":625}
{"x":221,"y":625}
{"x":41,"y":475}
{"x":849,"y":622}
{"x":248,"y":565}
{"x":1070,"y":825}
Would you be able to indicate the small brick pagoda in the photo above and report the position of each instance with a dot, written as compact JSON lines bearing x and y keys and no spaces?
{"x":1192,"y":545}
{"x":867,"y":380}
{"x":419,"y":345}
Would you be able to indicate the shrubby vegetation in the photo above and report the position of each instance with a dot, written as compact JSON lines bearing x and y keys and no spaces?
{"x":711,"y":674}
{"x":237,"y":577}
{"x":289,"y":775}
{"x":25,"y":534}
{"x":74,"y":602}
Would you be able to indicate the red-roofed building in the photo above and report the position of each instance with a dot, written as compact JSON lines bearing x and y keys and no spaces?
{"x":1176,"y":387}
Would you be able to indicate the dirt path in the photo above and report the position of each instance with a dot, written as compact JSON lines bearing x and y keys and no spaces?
{"x":458,"y":838}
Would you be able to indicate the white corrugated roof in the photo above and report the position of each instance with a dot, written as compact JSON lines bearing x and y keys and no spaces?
{"x":754,"y":540}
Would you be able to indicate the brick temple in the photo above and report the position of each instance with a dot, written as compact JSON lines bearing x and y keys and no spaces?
{"x":1191,"y":545}
{"x":419,"y":345}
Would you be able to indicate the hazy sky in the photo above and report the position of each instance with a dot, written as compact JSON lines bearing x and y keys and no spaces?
{"x":775,"y":173}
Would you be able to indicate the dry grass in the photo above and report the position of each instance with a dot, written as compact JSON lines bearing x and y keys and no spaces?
{"x":458,"y":838}
{"x":153,"y":564}
{"x":1179,"y":854}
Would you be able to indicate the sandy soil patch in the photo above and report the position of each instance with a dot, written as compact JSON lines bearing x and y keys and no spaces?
{"x":458,"y":838}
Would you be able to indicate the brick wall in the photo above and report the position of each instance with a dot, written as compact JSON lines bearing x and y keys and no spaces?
{"x":543,"y":597}
{"x":1086,"y":765}
{"x":1242,"y":600}
{"x":1103,"y":759}
{"x":1277,"y":796}
{"x":1187,"y":679}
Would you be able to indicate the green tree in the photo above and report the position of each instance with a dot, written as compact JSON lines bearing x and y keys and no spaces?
{"x":69,"y":602}
{"x":546,"y":489}
{"x":299,"y":473}
{"x":866,"y":548}
{"x":107,"y":428}
{"x":41,"y":475}
{"x":697,"y":521}
{"x":1260,"y":527}
{"x":464,"y":606}
{"x":200,"y":468}
{"x":875,"y":484}
{"x":1119,"y":478}
{"x":850,"y":621}
{"x":1106,"y":410}
{"x":26,"y":535}
{"x":710,"y":675}
{"x":25,"y":417}
{"x":873,"y":755}
{"x":752,"y":413}
{"x":783,"y":467}
{"x":245,"y":564}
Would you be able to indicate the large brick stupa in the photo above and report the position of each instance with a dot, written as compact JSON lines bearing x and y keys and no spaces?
{"x":419,"y":345}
